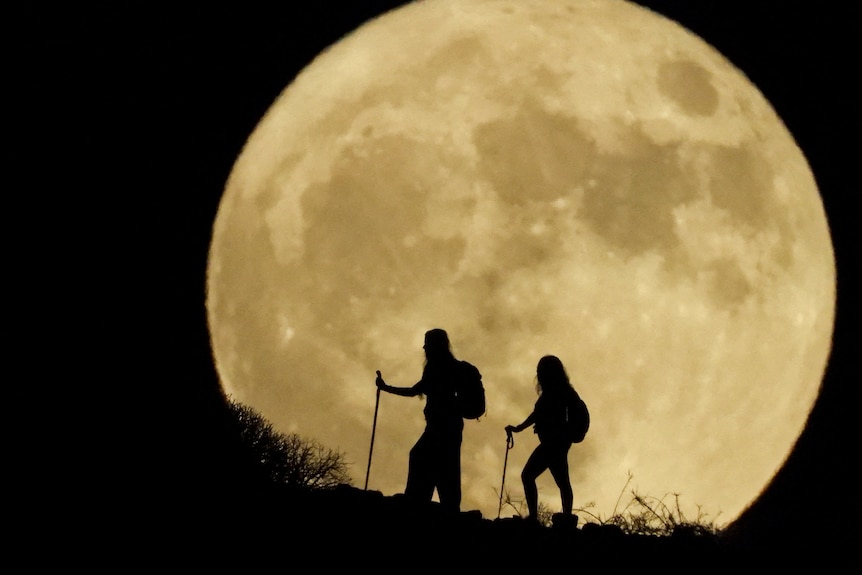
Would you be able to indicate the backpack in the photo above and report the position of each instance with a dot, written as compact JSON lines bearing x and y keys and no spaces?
{"x":470,"y":391}
{"x":577,"y":419}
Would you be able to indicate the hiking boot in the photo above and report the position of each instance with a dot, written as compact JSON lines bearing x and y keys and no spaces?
{"x":564,"y":521}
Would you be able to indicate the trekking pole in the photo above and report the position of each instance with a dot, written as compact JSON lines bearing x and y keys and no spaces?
{"x":373,"y":431}
{"x":510,"y":442}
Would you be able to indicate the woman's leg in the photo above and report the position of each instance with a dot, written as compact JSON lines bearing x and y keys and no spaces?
{"x":448,"y":470}
{"x":420,"y":481}
{"x":536,"y":464}
{"x":559,"y":467}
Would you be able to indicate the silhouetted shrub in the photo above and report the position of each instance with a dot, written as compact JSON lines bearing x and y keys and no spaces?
{"x":287,"y":459}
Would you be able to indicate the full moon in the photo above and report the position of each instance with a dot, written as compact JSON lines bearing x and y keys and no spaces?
{"x":583,"y":178}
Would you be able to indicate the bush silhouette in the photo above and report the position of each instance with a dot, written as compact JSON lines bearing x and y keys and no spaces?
{"x":288,"y":460}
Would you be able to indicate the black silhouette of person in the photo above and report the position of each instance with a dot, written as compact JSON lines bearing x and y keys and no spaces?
{"x":548,"y":419}
{"x":435,"y":459}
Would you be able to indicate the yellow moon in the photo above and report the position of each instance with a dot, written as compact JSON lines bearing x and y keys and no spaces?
{"x":582,"y":178}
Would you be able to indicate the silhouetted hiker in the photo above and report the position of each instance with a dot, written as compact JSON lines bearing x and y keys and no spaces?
{"x":549,"y":423}
{"x":435,"y":459}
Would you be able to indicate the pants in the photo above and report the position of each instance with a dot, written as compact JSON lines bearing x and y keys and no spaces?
{"x":435,"y":463}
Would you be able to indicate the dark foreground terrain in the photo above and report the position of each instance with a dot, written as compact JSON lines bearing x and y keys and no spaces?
{"x":347,"y":528}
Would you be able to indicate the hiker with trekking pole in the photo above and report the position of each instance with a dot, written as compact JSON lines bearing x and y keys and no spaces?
{"x":559,"y":418}
{"x":435,"y":459}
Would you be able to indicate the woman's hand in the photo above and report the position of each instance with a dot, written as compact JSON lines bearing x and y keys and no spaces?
{"x":510,"y":429}
{"x":379,"y":381}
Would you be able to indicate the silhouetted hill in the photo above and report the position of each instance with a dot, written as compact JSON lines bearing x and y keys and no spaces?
{"x":369,"y":519}
{"x":348,"y":527}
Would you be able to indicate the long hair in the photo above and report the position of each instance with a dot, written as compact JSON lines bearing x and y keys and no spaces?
{"x":437,"y":347}
{"x":439,"y":363}
{"x":551,"y":376}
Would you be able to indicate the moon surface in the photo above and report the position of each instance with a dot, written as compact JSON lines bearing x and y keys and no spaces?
{"x":583,"y":178}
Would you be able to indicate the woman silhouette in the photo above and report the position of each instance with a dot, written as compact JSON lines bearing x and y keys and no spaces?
{"x":435,"y":459}
{"x":549,"y":423}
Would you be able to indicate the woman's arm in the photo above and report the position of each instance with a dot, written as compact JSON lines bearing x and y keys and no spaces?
{"x":523,"y":425}
{"x":402,"y":391}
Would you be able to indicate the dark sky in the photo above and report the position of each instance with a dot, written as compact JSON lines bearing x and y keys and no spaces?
{"x":201,"y":82}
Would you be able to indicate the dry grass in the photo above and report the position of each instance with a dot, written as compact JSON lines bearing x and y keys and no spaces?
{"x":649,"y":515}
{"x":641,"y":515}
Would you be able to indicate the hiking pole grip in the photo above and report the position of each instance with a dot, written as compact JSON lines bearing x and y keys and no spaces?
{"x":373,"y":431}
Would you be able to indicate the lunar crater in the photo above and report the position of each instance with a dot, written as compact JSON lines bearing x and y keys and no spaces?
{"x":689,"y":85}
